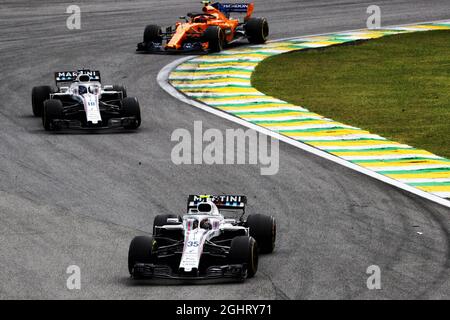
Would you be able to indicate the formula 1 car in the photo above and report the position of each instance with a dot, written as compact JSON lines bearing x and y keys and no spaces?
{"x":83,"y":103}
{"x":210,"y":30}
{"x":212,"y":241}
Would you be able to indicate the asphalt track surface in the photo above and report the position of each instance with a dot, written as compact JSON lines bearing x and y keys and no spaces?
{"x":80,"y":198}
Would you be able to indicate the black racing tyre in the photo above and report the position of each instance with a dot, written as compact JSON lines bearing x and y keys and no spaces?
{"x":131,"y":108}
{"x":161,"y":220}
{"x":152,"y":33}
{"x":215,"y":37}
{"x":140,"y":251}
{"x":264,"y":230}
{"x":53,"y":110}
{"x":257,"y":30}
{"x":38,"y":96}
{"x":244,"y":250}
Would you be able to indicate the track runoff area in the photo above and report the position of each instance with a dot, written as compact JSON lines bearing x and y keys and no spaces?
{"x":220,"y":83}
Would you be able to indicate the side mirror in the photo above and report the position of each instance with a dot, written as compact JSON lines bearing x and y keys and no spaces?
{"x":173,"y":220}
{"x":183,"y":18}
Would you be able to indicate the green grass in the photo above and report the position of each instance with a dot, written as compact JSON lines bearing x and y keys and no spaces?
{"x":396,"y":86}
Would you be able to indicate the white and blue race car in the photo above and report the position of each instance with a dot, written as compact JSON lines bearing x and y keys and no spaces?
{"x":211,"y":241}
{"x":83,"y":103}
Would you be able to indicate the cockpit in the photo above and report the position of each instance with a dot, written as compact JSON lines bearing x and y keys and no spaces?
{"x":203,"y":209}
{"x":83,"y":85}
{"x":81,"y":88}
{"x":201,"y":17}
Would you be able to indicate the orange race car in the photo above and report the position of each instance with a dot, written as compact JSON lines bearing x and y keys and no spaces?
{"x":209,"y":30}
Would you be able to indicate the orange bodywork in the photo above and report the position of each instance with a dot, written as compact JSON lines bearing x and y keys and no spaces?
{"x":197,"y":26}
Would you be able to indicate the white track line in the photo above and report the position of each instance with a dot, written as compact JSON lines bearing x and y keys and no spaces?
{"x":163,"y":82}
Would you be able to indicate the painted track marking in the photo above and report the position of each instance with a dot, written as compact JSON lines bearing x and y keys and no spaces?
{"x":227,"y":93}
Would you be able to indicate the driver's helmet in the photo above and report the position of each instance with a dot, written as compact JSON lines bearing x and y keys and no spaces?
{"x":205,"y":224}
{"x":82,"y":89}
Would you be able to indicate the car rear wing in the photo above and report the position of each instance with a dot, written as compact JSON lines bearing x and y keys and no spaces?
{"x":231,"y":202}
{"x":71,"y":76}
{"x":228,"y":8}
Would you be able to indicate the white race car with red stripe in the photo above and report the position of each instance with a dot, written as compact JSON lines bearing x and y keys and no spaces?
{"x":211,"y":241}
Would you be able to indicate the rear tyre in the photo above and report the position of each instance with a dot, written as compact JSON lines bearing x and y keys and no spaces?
{"x":215,"y":37}
{"x":161,"y":220}
{"x":264,"y":230}
{"x":140,"y":251}
{"x":53,"y":110}
{"x":38,"y":96}
{"x":152,"y":33}
{"x":131,"y":108}
{"x":257,"y":30}
{"x":244,"y":250}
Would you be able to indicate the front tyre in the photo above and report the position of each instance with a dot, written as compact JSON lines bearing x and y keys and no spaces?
{"x":131,"y":108}
{"x":38,"y":96}
{"x":152,"y":33}
{"x":140,"y":251}
{"x":264,"y":230}
{"x":215,"y":37}
{"x":244,"y":250}
{"x":257,"y":30}
{"x":53,"y":110}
